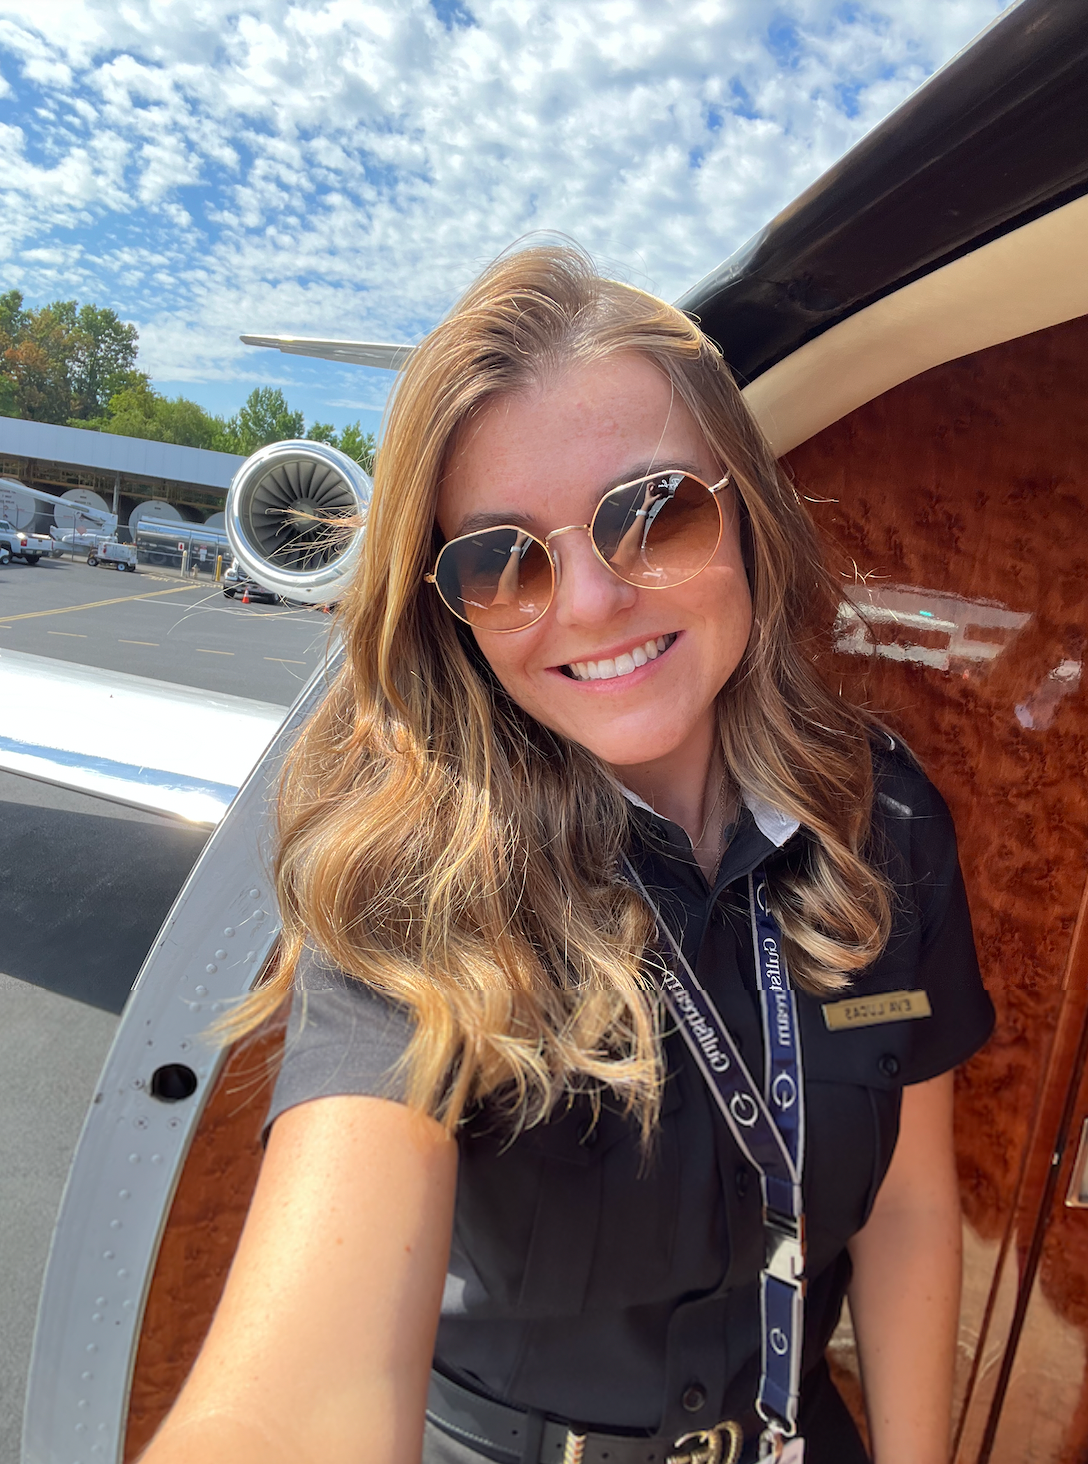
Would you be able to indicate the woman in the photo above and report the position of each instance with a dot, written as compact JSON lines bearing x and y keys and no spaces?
{"x":576,"y":792}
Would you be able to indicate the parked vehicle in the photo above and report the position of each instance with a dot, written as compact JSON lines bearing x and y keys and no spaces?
{"x":115,"y":555}
{"x":177,"y":545}
{"x":20,"y":545}
{"x":250,"y":589}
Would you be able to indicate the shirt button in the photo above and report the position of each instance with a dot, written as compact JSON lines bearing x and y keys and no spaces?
{"x":889,"y":1065}
{"x":694,"y":1397}
{"x":741,"y":1180}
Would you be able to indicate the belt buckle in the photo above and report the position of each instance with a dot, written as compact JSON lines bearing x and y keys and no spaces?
{"x":718,"y":1445}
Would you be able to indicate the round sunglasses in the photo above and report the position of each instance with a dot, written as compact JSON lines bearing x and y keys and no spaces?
{"x":653,"y":533}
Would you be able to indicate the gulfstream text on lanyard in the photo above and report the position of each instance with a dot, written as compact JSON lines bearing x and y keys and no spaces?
{"x":769,"y":1127}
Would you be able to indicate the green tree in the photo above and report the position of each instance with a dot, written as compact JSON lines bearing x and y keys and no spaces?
{"x":353,"y":441}
{"x":140,"y":411}
{"x":264,"y":418}
{"x":38,"y":361}
{"x":359,"y":445}
{"x":103,"y":360}
{"x":62,"y":361}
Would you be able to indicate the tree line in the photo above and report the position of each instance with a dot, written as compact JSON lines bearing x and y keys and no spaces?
{"x":75,"y":365}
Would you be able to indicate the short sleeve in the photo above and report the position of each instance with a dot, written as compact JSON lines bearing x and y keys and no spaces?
{"x":963,"y":1014}
{"x":920,"y":1009}
{"x":918,"y":820}
{"x":342,"y":1038}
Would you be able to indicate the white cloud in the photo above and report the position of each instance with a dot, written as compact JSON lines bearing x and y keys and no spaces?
{"x":332,"y":167}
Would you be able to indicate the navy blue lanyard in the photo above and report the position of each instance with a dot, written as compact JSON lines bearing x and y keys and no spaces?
{"x":768,"y":1125}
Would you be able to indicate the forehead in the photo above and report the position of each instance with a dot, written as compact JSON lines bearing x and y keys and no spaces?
{"x":554,"y":448}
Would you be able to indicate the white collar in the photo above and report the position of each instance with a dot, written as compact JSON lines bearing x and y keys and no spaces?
{"x":771,"y":822}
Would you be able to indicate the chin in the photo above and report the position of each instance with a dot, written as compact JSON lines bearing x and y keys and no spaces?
{"x":624,"y":751}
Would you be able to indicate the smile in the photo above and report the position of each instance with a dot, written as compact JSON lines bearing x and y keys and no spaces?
{"x":608,"y":670}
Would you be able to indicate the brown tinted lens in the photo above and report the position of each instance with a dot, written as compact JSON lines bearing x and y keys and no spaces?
{"x":498,"y":579}
{"x":659,"y":531}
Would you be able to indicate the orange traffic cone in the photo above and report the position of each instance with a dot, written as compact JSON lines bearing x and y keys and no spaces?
{"x":245,"y":595}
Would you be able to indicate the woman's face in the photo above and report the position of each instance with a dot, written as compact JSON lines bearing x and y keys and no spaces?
{"x":542,"y":459}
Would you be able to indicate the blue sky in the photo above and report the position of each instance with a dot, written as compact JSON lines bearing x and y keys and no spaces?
{"x":343,"y":168}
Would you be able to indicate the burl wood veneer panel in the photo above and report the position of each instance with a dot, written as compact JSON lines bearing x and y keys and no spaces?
{"x":202,"y":1231}
{"x":961,"y":497}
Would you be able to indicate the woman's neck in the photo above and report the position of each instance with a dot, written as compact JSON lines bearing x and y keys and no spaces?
{"x":690,"y":788}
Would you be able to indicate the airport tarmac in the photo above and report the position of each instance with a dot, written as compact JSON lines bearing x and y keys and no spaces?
{"x":153,"y":623}
{"x":85,"y":883}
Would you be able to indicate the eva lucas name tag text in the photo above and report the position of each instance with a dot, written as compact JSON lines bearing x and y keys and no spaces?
{"x":871,"y":1011}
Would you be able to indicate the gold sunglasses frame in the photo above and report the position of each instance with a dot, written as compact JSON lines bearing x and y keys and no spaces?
{"x":713,"y":489}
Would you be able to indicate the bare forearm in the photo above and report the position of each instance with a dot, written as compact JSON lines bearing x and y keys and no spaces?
{"x":904,"y":1301}
{"x":217,"y":1440}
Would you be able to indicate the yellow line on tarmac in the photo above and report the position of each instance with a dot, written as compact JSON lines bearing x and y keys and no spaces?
{"x":93,"y":605}
{"x":201,"y":651}
{"x":122,"y":642}
{"x":71,"y":634}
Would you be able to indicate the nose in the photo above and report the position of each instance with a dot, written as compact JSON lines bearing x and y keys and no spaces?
{"x":586,"y":590}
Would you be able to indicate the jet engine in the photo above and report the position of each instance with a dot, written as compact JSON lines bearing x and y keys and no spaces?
{"x":295,"y":513}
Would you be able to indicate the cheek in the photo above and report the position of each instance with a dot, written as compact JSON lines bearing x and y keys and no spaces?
{"x":508,"y":661}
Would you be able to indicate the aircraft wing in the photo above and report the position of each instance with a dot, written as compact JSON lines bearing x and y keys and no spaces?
{"x":357,"y":353}
{"x":85,"y":728}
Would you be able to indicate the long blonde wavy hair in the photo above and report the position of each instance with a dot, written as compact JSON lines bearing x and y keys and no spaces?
{"x":438,"y":844}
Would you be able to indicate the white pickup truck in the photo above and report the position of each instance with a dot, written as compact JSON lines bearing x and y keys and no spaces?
{"x":21,"y":545}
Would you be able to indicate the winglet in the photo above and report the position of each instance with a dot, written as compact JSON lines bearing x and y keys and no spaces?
{"x":358,"y":353}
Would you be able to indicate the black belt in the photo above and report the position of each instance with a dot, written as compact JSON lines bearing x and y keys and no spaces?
{"x":513,"y":1436}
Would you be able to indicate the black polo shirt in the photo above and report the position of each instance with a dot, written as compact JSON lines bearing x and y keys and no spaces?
{"x":615,"y":1288}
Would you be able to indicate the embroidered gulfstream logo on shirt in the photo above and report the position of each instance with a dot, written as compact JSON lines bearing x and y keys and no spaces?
{"x":870,"y":1011}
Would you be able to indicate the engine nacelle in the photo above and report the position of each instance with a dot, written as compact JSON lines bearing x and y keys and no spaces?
{"x":282,"y":516}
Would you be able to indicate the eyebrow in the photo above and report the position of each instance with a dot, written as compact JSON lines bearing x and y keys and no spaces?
{"x":475,"y":522}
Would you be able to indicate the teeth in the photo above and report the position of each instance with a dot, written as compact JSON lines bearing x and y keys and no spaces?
{"x":608,"y":670}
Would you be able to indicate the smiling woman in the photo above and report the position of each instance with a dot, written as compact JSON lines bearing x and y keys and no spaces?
{"x":573,"y":1152}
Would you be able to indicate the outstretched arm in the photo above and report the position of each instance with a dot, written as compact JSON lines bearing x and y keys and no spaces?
{"x":905,"y":1295}
{"x":321,"y":1348}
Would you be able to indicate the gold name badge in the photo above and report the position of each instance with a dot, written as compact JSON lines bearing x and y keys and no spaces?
{"x":870,"y":1011}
